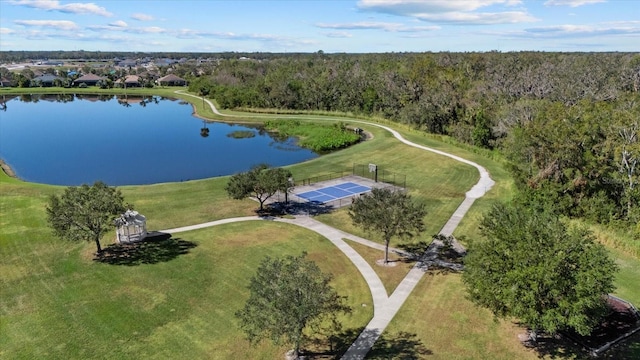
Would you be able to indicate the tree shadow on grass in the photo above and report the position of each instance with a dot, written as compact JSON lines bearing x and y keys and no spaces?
{"x":401,"y":345}
{"x":618,"y":323}
{"x":434,"y":257}
{"x":555,"y":347}
{"x":334,"y":344}
{"x":415,"y":250}
{"x":155,"y":248}
{"x":295,"y":208}
{"x":627,"y":350}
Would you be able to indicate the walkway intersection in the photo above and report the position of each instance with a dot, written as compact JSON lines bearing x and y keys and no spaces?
{"x":384,"y":307}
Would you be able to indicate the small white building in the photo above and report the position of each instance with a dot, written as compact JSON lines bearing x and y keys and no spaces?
{"x":130,"y":227}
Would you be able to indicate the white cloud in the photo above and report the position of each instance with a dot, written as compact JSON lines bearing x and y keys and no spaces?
{"x":152,"y":30}
{"x":274,"y":40}
{"x":142,"y":17}
{"x":121,"y":26}
{"x":54,"y":5}
{"x":56,"y":24}
{"x":6,"y":31}
{"x":408,"y":7}
{"x":572,"y":31}
{"x":450,"y":11}
{"x":472,"y":18}
{"x":364,"y":25}
{"x":119,"y":23}
{"x":338,"y":35}
{"x":572,"y":3}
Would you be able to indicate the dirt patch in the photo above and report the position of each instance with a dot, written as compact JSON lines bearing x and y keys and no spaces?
{"x":7,"y":169}
{"x":390,"y":263}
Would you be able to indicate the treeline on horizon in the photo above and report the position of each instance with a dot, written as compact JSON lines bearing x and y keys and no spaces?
{"x":567,"y":123}
{"x":8,"y":56}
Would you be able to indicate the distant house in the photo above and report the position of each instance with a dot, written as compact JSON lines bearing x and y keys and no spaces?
{"x":128,"y":63}
{"x":89,"y":79}
{"x":4,"y":82}
{"x":165,"y":62}
{"x":171,"y":80}
{"x":46,"y":80}
{"x":150,"y":75}
{"x":129,"y":81}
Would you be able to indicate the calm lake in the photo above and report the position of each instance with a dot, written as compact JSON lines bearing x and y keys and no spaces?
{"x":71,"y":140}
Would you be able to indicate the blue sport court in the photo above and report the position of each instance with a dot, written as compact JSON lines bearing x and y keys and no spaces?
{"x":334,"y":192}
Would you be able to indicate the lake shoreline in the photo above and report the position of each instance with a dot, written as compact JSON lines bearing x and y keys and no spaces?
{"x":7,"y":169}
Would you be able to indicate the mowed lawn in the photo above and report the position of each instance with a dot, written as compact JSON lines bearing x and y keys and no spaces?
{"x":57,"y":303}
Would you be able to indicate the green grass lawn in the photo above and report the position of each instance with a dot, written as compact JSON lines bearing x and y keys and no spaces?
{"x":391,"y":276}
{"x":59,"y":304}
{"x":55,"y":302}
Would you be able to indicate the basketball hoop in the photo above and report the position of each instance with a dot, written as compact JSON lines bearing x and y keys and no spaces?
{"x":373,"y":167}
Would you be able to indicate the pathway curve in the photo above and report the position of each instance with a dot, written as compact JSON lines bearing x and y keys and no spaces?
{"x":385,"y":307}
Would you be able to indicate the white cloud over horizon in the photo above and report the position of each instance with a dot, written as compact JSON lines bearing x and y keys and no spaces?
{"x":55,"y":5}
{"x":389,"y":27}
{"x":56,"y":24}
{"x":572,"y":3}
{"x":142,"y":17}
{"x":444,"y":11}
{"x":332,"y":26}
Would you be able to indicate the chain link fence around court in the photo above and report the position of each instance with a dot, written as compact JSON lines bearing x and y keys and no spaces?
{"x":367,"y":175}
{"x":379,"y":174}
{"x":368,"y":171}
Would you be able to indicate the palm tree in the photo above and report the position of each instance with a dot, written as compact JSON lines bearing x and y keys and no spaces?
{"x":204,"y":91}
{"x":204,"y":132}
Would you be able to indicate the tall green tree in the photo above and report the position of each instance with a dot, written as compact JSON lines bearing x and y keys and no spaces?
{"x":627,"y":155}
{"x":261,"y":182}
{"x":533,"y":267}
{"x":390,"y":213}
{"x":287,"y":295}
{"x":85,"y":212}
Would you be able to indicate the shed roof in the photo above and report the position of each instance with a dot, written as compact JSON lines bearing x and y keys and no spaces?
{"x":89,"y":77}
{"x":130,"y":217}
{"x":129,"y":79}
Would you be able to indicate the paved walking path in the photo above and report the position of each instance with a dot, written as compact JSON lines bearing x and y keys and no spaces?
{"x":384,"y":307}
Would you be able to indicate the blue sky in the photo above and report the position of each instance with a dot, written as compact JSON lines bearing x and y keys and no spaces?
{"x":329,"y":25}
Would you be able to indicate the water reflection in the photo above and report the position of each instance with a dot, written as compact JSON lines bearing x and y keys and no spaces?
{"x":68,"y":139}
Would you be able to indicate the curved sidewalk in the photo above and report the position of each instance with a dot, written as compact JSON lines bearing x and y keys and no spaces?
{"x":385,"y":307}
{"x":378,"y":292}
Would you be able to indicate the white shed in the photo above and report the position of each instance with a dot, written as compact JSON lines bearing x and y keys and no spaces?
{"x":130,"y":227}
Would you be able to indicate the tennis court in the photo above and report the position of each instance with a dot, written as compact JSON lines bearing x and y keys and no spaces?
{"x":334,"y":192}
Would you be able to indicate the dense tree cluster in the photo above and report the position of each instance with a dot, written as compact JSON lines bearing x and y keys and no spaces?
{"x":534,"y":267}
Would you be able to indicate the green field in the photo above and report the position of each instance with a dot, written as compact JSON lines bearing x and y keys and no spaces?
{"x":56,"y":302}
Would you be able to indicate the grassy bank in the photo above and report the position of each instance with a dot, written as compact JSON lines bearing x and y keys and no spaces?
{"x":63,"y":305}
